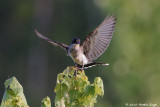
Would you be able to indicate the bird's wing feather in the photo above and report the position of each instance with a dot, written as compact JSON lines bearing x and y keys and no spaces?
{"x":98,"y":41}
{"x":64,"y":46}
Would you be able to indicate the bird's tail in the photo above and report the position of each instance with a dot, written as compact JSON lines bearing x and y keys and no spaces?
{"x":91,"y":65}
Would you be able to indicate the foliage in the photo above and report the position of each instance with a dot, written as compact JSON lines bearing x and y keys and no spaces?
{"x":77,"y":92}
{"x":13,"y":96}
{"x":46,"y":102}
{"x":70,"y":91}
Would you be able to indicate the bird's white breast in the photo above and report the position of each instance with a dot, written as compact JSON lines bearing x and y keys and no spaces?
{"x":77,"y":55}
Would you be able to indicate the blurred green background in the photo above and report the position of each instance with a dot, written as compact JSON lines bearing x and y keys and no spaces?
{"x":134,"y":52}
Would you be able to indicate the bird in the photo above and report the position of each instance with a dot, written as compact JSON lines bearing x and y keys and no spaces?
{"x":94,"y":45}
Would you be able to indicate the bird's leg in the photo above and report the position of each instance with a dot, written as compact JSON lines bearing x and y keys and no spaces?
{"x":82,"y":66}
{"x":76,"y":70}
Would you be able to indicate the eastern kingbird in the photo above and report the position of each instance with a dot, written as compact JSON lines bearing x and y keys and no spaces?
{"x":95,"y":44}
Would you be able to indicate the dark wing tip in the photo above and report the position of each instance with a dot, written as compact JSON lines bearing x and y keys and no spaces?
{"x":114,"y":18}
{"x":38,"y":34}
{"x":35,"y":30}
{"x":64,"y":46}
{"x":111,"y":17}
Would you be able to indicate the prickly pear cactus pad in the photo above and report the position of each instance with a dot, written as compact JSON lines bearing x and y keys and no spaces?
{"x":77,"y":92}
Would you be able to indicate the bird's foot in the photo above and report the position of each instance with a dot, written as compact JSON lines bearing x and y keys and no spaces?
{"x":78,"y":69}
{"x":76,"y":73}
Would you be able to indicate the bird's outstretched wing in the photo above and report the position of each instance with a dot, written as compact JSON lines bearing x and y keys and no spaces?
{"x":98,"y":41}
{"x":64,"y":46}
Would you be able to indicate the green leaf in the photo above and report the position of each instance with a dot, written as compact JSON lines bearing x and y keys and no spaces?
{"x":99,"y":88}
{"x":69,"y":71}
{"x":46,"y":102}
{"x":76,"y":92}
{"x":60,"y":77}
{"x":90,"y":91}
{"x":73,"y":94}
{"x":13,"y":95}
{"x":61,"y":90}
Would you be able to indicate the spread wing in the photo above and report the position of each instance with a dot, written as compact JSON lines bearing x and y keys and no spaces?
{"x":98,"y":41}
{"x":64,"y":46}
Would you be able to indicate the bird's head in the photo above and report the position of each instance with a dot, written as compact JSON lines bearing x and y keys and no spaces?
{"x":75,"y":41}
